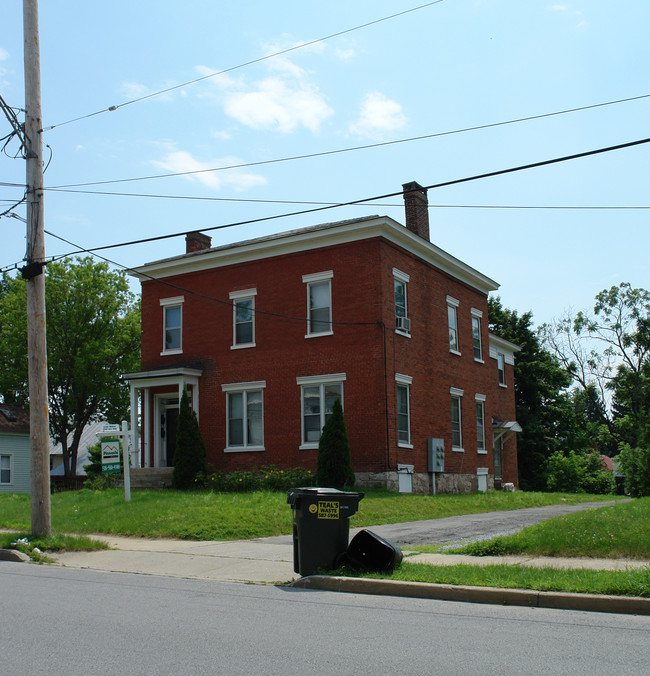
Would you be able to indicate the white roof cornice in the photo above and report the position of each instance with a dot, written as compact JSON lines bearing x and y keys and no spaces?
{"x":307,"y":239}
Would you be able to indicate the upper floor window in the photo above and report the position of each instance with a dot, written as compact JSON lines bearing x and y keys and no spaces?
{"x":318,"y":394}
{"x":476,"y":334}
{"x":403,"y":410}
{"x":5,"y":469}
{"x":319,"y":303}
{"x":501,"y":368}
{"x":452,"y":320}
{"x":245,"y":416}
{"x":402,"y":322}
{"x":480,"y":423}
{"x":172,"y":324}
{"x":243,"y":318}
{"x":456,"y":420}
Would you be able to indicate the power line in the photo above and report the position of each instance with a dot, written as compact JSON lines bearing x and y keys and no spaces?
{"x":458,"y":181}
{"x":325,"y":153}
{"x":242,"y":65}
{"x":240,"y":200}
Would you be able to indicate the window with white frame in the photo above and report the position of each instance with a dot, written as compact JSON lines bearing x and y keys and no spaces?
{"x":452,"y":320}
{"x":476,"y":334}
{"x":403,"y":410}
{"x":319,"y":303}
{"x":5,"y":469}
{"x":243,"y":309}
{"x":172,"y":324}
{"x":318,"y":394}
{"x":456,"y":420}
{"x":245,"y":416}
{"x":480,"y":423}
{"x":501,"y":368}
{"x":400,"y":280}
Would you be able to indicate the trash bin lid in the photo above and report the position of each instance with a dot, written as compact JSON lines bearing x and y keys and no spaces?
{"x":317,"y":491}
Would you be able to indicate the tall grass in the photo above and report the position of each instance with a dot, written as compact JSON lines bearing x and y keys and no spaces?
{"x":619,"y":531}
{"x":205,"y":515}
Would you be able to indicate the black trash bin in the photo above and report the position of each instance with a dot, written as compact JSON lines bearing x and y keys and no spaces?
{"x":321,"y":526}
{"x":370,"y":552}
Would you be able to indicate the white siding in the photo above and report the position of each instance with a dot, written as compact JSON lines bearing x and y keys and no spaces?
{"x":16,"y":446}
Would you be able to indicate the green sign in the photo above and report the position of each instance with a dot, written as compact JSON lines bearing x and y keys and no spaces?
{"x":110,"y":456}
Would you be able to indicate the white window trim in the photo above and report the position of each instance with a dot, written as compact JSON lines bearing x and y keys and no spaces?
{"x":453,"y":302}
{"x":170,"y":302}
{"x":504,"y":383}
{"x":457,"y":393}
{"x":404,"y":278}
{"x":405,"y":381}
{"x":11,"y":469}
{"x":477,"y":314}
{"x":234,"y":297}
{"x":302,"y":381}
{"x":243,"y":387}
{"x":481,"y":399}
{"x":315,"y":278}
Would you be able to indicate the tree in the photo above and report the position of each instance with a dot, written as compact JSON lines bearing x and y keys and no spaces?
{"x":544,"y":409}
{"x":93,"y":337}
{"x":334,"y":468}
{"x":607,"y":351}
{"x":189,"y":455}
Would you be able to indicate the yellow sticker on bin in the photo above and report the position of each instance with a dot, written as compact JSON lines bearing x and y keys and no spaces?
{"x":328,"y":509}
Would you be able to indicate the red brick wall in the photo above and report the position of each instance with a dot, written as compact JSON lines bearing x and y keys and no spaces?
{"x":364,"y":346}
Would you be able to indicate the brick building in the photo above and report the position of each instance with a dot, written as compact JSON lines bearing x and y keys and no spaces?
{"x":265,"y":334}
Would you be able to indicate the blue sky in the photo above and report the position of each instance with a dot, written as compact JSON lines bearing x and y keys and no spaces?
{"x":449,"y":66}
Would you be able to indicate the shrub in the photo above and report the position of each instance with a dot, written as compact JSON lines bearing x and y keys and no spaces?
{"x":266,"y":478}
{"x":634,"y":464}
{"x":334,"y":468}
{"x":189,"y":455}
{"x":578,"y":473}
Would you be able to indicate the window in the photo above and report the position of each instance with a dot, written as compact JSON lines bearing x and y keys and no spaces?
{"x":452,"y":319}
{"x":480,"y":423}
{"x":245,"y":416}
{"x":501,"y":367}
{"x":243,"y":318}
{"x":172,"y":324}
{"x":400,"y":280}
{"x":318,"y":394}
{"x":476,"y":334}
{"x":319,"y":303}
{"x":456,"y":426}
{"x":403,"y":410}
{"x":5,"y":469}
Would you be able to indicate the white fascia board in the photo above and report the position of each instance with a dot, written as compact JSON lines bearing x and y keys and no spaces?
{"x":503,"y":345}
{"x":308,"y":239}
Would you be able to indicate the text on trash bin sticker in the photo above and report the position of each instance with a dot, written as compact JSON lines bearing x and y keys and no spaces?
{"x":326,"y":509}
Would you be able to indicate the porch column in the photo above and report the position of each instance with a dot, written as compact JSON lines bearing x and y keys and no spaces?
{"x":146,"y":427}
{"x":133,"y":392}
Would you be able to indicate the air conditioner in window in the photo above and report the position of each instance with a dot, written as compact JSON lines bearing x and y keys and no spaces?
{"x":403,"y":324}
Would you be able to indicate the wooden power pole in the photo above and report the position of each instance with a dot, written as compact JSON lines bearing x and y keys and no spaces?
{"x":33,"y":272}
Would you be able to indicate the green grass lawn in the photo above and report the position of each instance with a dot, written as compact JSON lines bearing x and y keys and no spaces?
{"x":197,"y":515}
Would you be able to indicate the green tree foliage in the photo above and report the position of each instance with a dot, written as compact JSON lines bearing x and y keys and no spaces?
{"x":544,"y":409}
{"x":93,"y":337}
{"x":189,"y":455}
{"x":334,"y":468}
{"x":634,"y":464}
{"x":578,"y":473}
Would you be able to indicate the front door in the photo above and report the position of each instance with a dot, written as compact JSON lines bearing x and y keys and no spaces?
{"x":170,"y":429}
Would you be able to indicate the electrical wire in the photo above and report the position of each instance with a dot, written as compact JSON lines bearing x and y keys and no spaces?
{"x":242,"y":65}
{"x":350,"y":149}
{"x":458,"y":181}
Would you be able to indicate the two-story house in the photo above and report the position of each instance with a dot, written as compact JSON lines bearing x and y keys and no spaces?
{"x":266,"y":334}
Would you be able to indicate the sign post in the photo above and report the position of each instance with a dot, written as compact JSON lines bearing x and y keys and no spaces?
{"x":112,"y":436}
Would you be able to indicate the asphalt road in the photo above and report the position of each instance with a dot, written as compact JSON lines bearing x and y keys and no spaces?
{"x":73,"y":622}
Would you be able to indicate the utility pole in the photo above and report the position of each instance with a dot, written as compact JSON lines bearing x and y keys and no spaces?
{"x":33,"y":272}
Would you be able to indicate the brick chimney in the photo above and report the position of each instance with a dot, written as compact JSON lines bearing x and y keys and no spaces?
{"x":416,"y":206}
{"x":197,"y":241}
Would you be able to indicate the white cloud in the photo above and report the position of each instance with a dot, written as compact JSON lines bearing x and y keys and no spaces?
{"x":345,"y":54}
{"x":4,"y":54}
{"x":277,"y":104}
{"x":378,"y":115}
{"x":179,"y":161}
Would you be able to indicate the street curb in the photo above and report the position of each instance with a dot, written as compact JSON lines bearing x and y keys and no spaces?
{"x":13,"y":555}
{"x":630,"y":605}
